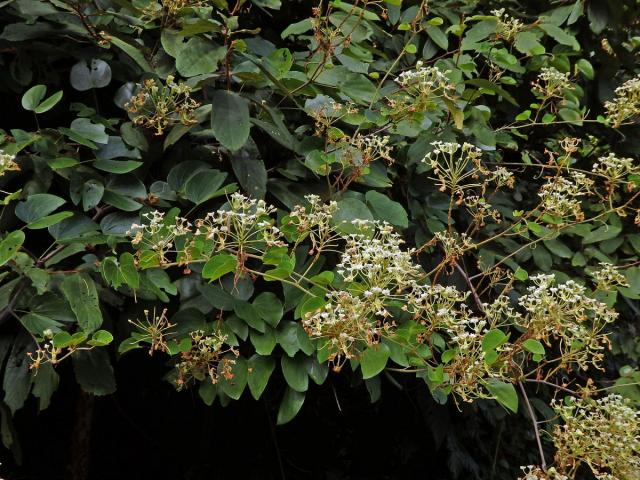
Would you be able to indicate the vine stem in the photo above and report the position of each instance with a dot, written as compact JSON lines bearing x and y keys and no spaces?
{"x":534,"y":421}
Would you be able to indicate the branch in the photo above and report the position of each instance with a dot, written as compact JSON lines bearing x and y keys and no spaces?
{"x":534,"y":421}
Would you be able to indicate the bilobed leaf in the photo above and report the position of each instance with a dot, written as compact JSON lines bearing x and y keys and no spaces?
{"x":374,"y":359}
{"x":32,"y":97}
{"x":10,"y":245}
{"x":49,"y":103}
{"x":218,"y":266}
{"x":80,"y":291}
{"x":290,"y":406}
{"x":230,"y":119}
{"x":37,"y":206}
{"x":259,"y":370}
{"x":504,"y":393}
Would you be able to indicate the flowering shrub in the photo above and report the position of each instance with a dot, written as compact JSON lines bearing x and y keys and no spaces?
{"x":443,"y":194}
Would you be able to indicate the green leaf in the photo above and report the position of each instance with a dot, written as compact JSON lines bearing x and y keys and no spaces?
{"x":10,"y":245}
{"x":493,"y":339}
{"x":264,"y":342}
{"x":533,"y":346}
{"x":218,"y":266}
{"x":560,"y":36}
{"x":438,"y":36}
{"x":374,"y":359}
{"x":100,"y":338}
{"x":80,"y":291}
{"x":235,"y":386}
{"x":32,"y":97}
{"x":250,"y":171}
{"x":198,"y":57}
{"x":297,"y":28}
{"x":129,"y":271}
{"x":259,"y":369}
{"x":585,"y":68}
{"x":49,"y":103}
{"x":269,"y":307}
{"x":37,"y":206}
{"x":94,"y":372}
{"x":295,"y":372}
{"x":49,"y":220}
{"x":204,"y":186}
{"x":290,"y":406}
{"x":116,"y":166}
{"x":230,"y":119}
{"x":350,"y":209}
{"x":385,"y":209}
{"x":504,"y":393}
{"x":527,"y":42}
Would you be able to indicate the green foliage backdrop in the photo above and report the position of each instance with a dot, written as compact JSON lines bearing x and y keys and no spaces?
{"x":264,"y":193}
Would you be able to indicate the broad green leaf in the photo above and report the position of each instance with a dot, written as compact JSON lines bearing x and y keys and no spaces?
{"x":230,"y":119}
{"x":94,"y":372}
{"x":49,"y":103}
{"x":350,"y":209}
{"x":100,"y":338}
{"x":32,"y":97}
{"x":204,"y":186}
{"x":37,"y":206}
{"x":493,"y":339}
{"x":198,"y":57}
{"x":290,"y":406}
{"x":373,"y":360}
{"x":235,"y":386}
{"x":265,"y":342}
{"x":385,"y":209}
{"x":295,"y":372}
{"x":504,"y":393}
{"x":269,"y":307}
{"x":533,"y":346}
{"x":218,"y":266}
{"x":80,"y":291}
{"x":10,"y":245}
{"x":259,"y":369}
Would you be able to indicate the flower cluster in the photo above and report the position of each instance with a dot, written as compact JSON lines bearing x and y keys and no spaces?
{"x":7,"y":163}
{"x":615,"y":168}
{"x":207,"y":358}
{"x":314,"y":221}
{"x":533,"y":472}
{"x":454,"y":165}
{"x":346,"y":325}
{"x":159,"y":233}
{"x":161,"y":106}
{"x":564,"y":312}
{"x":421,"y":87}
{"x":602,"y":434}
{"x":244,"y":225}
{"x":551,"y":83}
{"x":453,"y":244}
{"x":153,"y":330}
{"x":607,"y":277}
{"x":561,"y":196}
{"x":626,"y":103}
{"x":508,"y":27}
{"x":371,"y":147}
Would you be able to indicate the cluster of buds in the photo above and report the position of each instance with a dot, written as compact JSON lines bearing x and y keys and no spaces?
{"x":208,"y":357}
{"x":602,"y":434}
{"x":420,"y":89}
{"x":561,"y":196}
{"x":552,"y":83}
{"x":608,"y":277}
{"x":314,"y":221}
{"x":615,"y":169}
{"x":565,"y":313}
{"x":626,"y":103}
{"x":153,"y":330}
{"x":370,"y":148}
{"x":7,"y":163}
{"x":454,"y":245}
{"x":160,"y":106}
{"x":158,"y":233}
{"x":244,"y":225}
{"x":457,"y":167}
{"x":508,"y":27}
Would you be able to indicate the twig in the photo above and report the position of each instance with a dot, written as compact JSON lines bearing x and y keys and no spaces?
{"x":550,"y":384}
{"x":534,"y":421}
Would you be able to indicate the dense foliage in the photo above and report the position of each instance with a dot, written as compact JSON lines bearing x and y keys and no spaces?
{"x":438,"y":196}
